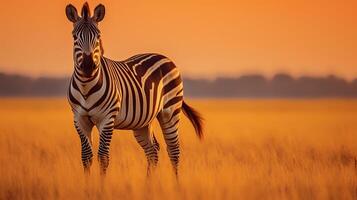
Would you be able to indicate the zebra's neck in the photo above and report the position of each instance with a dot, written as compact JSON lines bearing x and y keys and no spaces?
{"x":88,"y":85}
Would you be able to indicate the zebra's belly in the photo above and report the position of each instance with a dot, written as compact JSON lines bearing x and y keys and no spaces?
{"x":129,"y":121}
{"x":125,"y":124}
{"x":131,"y":117}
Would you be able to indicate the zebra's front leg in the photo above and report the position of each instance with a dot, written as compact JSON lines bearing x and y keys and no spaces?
{"x":84,"y":128}
{"x":145,"y":137}
{"x":106,"y":131}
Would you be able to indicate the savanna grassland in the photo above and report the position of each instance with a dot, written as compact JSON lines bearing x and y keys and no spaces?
{"x":253,"y":149}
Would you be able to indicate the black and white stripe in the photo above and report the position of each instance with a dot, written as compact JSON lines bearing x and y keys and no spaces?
{"x":127,"y":94}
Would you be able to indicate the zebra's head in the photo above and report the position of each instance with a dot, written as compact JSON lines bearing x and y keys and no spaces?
{"x":87,"y":43}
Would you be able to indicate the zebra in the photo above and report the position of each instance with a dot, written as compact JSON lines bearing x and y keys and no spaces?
{"x":125,"y":95}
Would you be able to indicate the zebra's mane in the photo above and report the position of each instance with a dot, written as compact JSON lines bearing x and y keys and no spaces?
{"x":86,"y":11}
{"x":101,"y":46}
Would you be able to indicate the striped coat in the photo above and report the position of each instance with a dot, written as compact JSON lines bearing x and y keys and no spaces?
{"x":127,"y":94}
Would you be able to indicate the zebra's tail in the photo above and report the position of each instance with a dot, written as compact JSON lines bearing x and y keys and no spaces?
{"x":195,"y":118}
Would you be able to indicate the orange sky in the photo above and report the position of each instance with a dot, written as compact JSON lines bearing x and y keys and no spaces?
{"x":205,"y":38}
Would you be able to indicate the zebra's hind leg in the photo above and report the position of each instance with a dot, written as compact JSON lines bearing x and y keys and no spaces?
{"x":169,"y":120}
{"x":84,"y":129}
{"x":156,"y":144}
{"x":145,"y":137}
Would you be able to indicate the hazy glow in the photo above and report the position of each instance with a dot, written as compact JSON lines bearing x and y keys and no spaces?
{"x":205,"y":38}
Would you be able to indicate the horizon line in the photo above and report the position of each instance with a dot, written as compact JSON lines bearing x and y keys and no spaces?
{"x":211,"y":78}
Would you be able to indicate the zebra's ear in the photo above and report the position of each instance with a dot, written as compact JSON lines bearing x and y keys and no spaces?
{"x":99,"y":13}
{"x":71,"y":13}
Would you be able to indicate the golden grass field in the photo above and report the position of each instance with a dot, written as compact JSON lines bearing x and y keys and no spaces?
{"x":253,"y":149}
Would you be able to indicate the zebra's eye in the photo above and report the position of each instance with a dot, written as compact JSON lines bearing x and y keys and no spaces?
{"x":74,"y":37}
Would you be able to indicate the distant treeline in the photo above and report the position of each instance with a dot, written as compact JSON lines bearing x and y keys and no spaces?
{"x":17,"y":85}
{"x":281,"y":85}
{"x":248,"y":86}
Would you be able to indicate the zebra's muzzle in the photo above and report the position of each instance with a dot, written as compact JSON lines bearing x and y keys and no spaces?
{"x":87,"y":66}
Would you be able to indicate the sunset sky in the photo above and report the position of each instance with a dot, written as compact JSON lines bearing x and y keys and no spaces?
{"x":205,"y":38}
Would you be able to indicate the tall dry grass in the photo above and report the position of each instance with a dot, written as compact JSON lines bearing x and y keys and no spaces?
{"x":254,"y":149}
